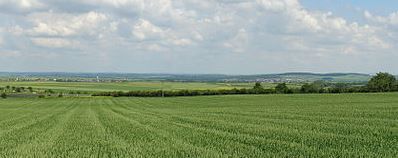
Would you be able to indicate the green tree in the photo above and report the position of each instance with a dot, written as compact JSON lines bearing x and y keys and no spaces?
{"x":396,"y":86}
{"x":316,"y":87}
{"x":339,"y":88}
{"x":258,"y":88}
{"x":382,"y":82}
{"x":282,"y":88}
{"x":30,"y":89}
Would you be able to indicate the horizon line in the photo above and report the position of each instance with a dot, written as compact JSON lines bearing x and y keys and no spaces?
{"x":175,"y":73}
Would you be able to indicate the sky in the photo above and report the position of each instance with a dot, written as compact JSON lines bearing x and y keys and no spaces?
{"x":199,"y":36}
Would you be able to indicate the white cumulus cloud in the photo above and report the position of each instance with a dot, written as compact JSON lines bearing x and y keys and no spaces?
{"x":55,"y":24}
{"x":198,"y":30}
{"x":55,"y":42}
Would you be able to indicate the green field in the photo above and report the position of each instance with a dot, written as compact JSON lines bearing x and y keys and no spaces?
{"x":132,"y":86}
{"x":346,"y":125}
{"x":124,"y":86}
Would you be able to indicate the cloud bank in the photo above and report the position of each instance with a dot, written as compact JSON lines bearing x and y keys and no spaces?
{"x":191,"y":36}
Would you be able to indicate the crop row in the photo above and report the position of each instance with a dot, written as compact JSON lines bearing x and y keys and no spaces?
{"x":218,"y":126}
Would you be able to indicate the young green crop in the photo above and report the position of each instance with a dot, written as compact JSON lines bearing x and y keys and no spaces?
{"x":346,"y":125}
{"x":129,"y":86}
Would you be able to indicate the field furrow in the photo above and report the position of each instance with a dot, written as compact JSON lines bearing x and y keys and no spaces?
{"x":351,"y":125}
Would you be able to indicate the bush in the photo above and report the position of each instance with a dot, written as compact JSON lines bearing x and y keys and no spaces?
{"x":258,"y":88}
{"x":18,"y":89}
{"x":160,"y":93}
{"x":3,"y":95}
{"x":42,"y":96}
{"x":395,"y":87}
{"x":50,"y":91}
{"x":282,"y":88}
{"x":311,"y":88}
{"x":30,"y":89}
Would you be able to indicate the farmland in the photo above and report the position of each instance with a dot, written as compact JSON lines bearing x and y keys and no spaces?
{"x":131,"y":86}
{"x":311,"y":125}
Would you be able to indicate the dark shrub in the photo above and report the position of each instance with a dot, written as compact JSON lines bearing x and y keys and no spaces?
{"x":3,"y":95}
{"x":281,"y":88}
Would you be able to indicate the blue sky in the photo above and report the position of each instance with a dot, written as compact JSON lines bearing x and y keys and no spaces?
{"x":353,"y":9}
{"x":383,"y":7}
{"x":199,"y":36}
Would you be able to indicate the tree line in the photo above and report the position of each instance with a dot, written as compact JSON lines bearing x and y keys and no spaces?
{"x":8,"y":90}
{"x":13,"y":89}
{"x":382,"y":82}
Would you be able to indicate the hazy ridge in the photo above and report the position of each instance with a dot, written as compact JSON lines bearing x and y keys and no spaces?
{"x":282,"y":77}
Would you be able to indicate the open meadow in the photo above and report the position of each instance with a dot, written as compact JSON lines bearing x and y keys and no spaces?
{"x":133,"y":86}
{"x":125,"y":86}
{"x":308,"y":125}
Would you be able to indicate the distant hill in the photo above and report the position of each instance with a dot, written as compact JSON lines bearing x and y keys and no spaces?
{"x":284,"y":77}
